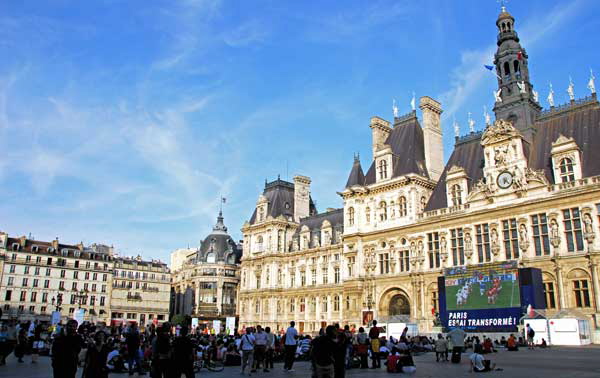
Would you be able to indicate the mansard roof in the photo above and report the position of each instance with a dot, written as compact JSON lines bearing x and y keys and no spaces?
{"x":408,"y":149}
{"x":467,"y":154}
{"x":315,"y":223}
{"x":579,"y":120}
{"x":280,"y":196}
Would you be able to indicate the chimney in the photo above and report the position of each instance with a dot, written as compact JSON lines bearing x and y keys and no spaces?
{"x":23,"y":240}
{"x":380,"y":131}
{"x":432,"y":137}
{"x":55,"y":244}
{"x":301,"y":197}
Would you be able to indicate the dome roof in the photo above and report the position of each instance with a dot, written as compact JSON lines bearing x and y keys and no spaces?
{"x":218,"y":246}
{"x":504,"y":15}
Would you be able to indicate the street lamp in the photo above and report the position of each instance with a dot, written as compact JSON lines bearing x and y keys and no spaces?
{"x":80,"y":297}
{"x":57,"y":301}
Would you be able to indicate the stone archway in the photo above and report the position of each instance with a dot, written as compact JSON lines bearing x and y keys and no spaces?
{"x":394,"y":305}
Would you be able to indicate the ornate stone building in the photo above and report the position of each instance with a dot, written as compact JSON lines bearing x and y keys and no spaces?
{"x":526,"y":188}
{"x":206,"y":284}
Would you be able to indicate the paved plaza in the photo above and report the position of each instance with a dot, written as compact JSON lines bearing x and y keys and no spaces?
{"x":555,"y":362}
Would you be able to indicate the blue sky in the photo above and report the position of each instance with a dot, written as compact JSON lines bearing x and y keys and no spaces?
{"x":123,"y":122}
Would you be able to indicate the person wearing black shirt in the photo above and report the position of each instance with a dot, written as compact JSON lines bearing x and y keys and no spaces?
{"x":323,"y":351}
{"x":183,"y":354}
{"x":65,"y":352}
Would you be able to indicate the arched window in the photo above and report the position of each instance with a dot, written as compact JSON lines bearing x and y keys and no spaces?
{"x":402,"y":206}
{"x":423,"y":203}
{"x":351,"y":216}
{"x":506,"y":70}
{"x":383,"y":211}
{"x":336,"y":303}
{"x":210,"y":257}
{"x":368,"y":214}
{"x":302,"y":304}
{"x":292,"y":305}
{"x":382,"y":169}
{"x":566,"y":170}
{"x":456,"y":195}
{"x":257,"y":307}
{"x":503,"y":27}
{"x":517,"y":69}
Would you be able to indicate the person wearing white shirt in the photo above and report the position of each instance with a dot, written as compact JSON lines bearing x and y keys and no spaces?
{"x":478,"y":363}
{"x":247,"y":348}
{"x":290,"y":346}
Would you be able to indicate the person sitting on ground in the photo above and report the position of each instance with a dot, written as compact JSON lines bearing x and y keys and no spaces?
{"x":488,"y":347}
{"x":543,"y":343}
{"x":503,"y":341}
{"x":511,"y":343}
{"x":478,"y":363}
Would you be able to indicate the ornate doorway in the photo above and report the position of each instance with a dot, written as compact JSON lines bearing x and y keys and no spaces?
{"x":399,"y":305}
{"x":394,"y":306}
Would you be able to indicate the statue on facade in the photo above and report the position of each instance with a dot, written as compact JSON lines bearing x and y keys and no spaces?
{"x":589,"y":226}
{"x":495,"y":243}
{"x":500,"y":155}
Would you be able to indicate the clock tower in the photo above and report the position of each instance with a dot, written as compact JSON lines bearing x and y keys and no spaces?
{"x":505,"y":161}
{"x":516,"y":101}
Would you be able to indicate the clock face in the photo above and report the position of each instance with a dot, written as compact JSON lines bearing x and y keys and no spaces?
{"x":505,"y":180}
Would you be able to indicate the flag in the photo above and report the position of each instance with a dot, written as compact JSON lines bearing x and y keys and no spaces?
{"x":520,"y":55}
{"x":491,"y":68}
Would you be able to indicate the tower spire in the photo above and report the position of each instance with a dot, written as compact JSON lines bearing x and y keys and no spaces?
{"x":515,"y":90}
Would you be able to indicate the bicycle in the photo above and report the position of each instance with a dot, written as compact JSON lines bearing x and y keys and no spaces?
{"x":210,"y":365}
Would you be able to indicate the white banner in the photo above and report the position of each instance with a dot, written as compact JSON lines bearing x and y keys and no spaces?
{"x":230,"y":325}
{"x":217,"y":326}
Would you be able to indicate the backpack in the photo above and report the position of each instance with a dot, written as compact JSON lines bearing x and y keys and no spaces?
{"x":531,"y":332}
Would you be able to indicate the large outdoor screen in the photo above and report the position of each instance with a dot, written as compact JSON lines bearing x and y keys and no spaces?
{"x":486,"y":286}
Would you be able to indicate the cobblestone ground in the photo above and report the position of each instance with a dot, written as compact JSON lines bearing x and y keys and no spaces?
{"x":555,"y":362}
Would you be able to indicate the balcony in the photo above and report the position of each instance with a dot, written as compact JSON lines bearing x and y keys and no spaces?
{"x":134,"y":297}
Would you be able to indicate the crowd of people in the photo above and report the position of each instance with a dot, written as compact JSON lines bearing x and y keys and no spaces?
{"x":168,"y":351}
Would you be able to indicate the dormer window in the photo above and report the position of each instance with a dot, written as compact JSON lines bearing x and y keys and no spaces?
{"x":15,"y":246}
{"x":210,"y":257}
{"x":261,"y":214}
{"x":566,"y":160}
{"x":566,"y":170}
{"x":382,"y":169}
{"x":456,"y":195}
{"x":35,"y":249}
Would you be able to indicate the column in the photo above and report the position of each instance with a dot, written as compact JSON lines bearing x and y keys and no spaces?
{"x":560,"y":287}
{"x":422,"y":295}
{"x":595,"y":284}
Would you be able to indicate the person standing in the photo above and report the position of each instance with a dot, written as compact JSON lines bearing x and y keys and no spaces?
{"x":270,"y":349}
{"x":183,"y":354}
{"x":65,"y":352}
{"x":530,"y":334}
{"x":96,"y":358}
{"x":260,"y":348}
{"x":441,"y":349}
{"x":290,"y":346}
{"x":457,"y":336}
{"x":247,"y":348}
{"x":21,"y":346}
{"x":374,"y":336}
{"x":132,"y":339}
{"x":362,"y":348}
{"x":323,"y":351}
{"x":161,"y":352}
{"x":339,"y":354}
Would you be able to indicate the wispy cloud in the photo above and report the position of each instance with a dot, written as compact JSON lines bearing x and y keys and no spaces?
{"x":250,"y":32}
{"x":352,"y":22}
{"x":469,"y":76}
